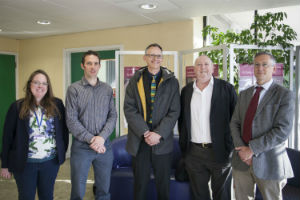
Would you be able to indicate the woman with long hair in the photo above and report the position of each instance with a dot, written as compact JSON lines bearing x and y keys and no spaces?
{"x":35,"y":139}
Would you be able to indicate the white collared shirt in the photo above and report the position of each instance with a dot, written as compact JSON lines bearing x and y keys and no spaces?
{"x":200,"y":113}
{"x":265,"y":87}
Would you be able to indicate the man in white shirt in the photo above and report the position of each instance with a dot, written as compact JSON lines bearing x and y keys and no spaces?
{"x":206,"y":109}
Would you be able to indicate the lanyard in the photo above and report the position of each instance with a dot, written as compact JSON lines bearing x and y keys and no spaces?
{"x":39,"y":123}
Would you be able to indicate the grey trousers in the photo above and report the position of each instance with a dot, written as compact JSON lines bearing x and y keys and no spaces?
{"x":82,"y":157}
{"x":244,"y":183}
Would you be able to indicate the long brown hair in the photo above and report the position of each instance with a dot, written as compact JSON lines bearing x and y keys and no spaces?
{"x":47,"y":102}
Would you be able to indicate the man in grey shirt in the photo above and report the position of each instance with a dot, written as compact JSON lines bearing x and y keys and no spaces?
{"x":91,"y":117}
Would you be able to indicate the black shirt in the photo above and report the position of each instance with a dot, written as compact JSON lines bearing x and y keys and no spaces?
{"x":147,"y":79}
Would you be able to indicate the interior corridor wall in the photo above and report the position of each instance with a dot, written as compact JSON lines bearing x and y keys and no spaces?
{"x":9,"y":45}
{"x":47,"y":52}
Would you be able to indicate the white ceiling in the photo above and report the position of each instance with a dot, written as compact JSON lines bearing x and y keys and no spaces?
{"x":18,"y":17}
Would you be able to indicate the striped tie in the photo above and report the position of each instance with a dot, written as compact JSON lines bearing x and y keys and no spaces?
{"x":152,"y":95}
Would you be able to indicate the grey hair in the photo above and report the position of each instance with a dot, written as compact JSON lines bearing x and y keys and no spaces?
{"x":273,"y":60}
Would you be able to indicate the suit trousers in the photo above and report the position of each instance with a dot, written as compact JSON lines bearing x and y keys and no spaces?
{"x":161,"y":165}
{"x":244,"y":185}
{"x":202,"y":167}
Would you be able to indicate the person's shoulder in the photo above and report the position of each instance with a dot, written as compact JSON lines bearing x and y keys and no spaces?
{"x":106,"y":86}
{"x":223,"y":82}
{"x":76,"y":84}
{"x":283,"y":91}
{"x":188,"y":86}
{"x":243,"y":92}
{"x":280,"y":87}
{"x":74,"y":87}
{"x":58,"y":100}
{"x":16,"y":105}
{"x":167,"y":73}
{"x":137,"y":74}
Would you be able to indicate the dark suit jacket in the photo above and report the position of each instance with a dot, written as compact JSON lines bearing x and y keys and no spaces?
{"x":16,"y":138}
{"x":222,"y":105}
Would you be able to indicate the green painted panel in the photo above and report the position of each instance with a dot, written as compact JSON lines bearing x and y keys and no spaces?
{"x":7,"y":87}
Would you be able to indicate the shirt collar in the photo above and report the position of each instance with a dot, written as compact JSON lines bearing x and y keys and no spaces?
{"x":210,"y":84}
{"x":85,"y":82}
{"x":151,"y":75}
{"x":265,"y":86}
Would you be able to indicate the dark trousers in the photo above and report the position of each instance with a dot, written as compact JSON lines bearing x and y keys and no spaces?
{"x":201,"y":167}
{"x":142,"y":169}
{"x":37,"y":176}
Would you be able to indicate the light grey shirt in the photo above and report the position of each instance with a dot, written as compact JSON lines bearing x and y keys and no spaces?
{"x":90,"y":110}
{"x":265,"y":87}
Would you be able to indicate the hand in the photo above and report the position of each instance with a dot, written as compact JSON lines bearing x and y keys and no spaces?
{"x":245,"y":153}
{"x":152,"y":138}
{"x":5,"y":173}
{"x":99,"y":149}
{"x":97,"y":144}
{"x":97,"y":140}
{"x":248,"y":162}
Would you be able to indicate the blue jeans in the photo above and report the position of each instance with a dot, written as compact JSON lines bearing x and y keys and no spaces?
{"x":82,"y":157}
{"x":40,"y":176}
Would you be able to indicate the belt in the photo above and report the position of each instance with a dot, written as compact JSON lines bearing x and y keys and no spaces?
{"x":203,"y":145}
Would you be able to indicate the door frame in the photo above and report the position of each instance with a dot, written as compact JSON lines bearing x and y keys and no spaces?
{"x":67,"y":61}
{"x":67,"y":74}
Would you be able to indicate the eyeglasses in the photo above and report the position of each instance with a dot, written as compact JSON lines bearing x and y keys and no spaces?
{"x":37,"y":83}
{"x":264,"y":65}
{"x":152,"y":56}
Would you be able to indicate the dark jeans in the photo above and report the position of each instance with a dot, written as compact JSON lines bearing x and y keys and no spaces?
{"x":40,"y":176}
{"x":142,"y":169}
{"x":202,"y":167}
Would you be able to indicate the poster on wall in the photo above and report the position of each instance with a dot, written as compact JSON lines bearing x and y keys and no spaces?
{"x":128,"y":74}
{"x":190,"y":74}
{"x":247,"y":78}
{"x":278,"y":74}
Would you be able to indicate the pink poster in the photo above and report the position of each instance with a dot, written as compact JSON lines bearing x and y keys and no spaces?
{"x":278,"y":74}
{"x":128,"y":73}
{"x":190,"y":74}
{"x":247,"y":78}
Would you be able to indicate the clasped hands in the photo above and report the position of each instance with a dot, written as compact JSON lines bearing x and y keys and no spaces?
{"x":245,"y":154}
{"x":97,"y":144}
{"x":152,"y":138}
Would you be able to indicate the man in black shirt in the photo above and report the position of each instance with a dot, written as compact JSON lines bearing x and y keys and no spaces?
{"x":151,"y":107}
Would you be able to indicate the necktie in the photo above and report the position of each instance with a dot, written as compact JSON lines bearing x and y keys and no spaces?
{"x":152,"y":95}
{"x":247,"y":128}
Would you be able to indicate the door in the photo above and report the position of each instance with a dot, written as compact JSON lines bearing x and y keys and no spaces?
{"x":7,"y":87}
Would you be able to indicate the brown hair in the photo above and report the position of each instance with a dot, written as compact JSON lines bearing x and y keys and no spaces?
{"x":153,"y":45}
{"x":47,"y":102}
{"x":88,"y":53}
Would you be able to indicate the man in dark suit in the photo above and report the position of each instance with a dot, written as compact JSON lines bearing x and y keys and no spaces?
{"x":260,"y":126}
{"x":206,"y":109}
